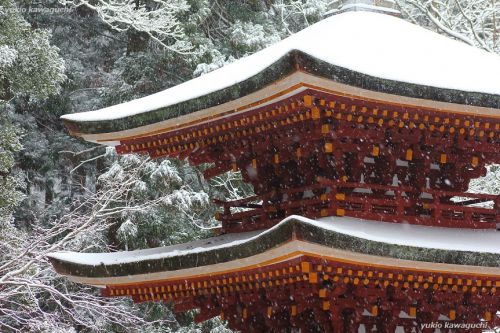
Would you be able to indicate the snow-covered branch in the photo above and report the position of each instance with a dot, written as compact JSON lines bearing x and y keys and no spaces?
{"x":474,"y":22}
{"x":159,"y":19}
{"x":33,"y":298}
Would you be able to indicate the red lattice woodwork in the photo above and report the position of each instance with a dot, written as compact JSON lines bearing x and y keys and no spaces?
{"x":320,"y":295}
{"x":288,"y":145}
{"x":382,"y":203}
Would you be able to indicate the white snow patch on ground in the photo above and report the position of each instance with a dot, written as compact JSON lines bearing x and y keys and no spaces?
{"x":392,"y":233}
{"x":371,"y":43}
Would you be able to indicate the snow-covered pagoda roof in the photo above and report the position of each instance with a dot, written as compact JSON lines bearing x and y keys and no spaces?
{"x":362,"y":54}
{"x":342,"y":238}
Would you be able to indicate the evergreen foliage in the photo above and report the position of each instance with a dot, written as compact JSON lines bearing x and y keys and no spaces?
{"x":10,"y":182}
{"x":29,"y":65}
{"x":85,"y":55}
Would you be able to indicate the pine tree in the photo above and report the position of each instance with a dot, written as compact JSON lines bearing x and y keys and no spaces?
{"x":10,"y":181}
{"x":29,"y":67}
{"x":109,"y":60}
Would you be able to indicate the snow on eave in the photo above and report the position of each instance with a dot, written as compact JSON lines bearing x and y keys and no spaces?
{"x":447,"y":239}
{"x":363,"y":7}
{"x":197,"y":246}
{"x":371,"y":43}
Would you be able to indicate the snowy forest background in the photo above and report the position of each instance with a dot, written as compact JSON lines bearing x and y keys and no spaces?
{"x":59,"y":193}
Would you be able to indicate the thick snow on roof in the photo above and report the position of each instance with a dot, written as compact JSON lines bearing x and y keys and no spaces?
{"x":392,"y":233}
{"x":371,"y":43}
{"x":364,"y":7}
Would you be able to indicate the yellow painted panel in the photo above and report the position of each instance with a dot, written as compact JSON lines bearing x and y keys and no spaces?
{"x":340,"y":196}
{"x":316,"y":114}
{"x":409,"y":155}
{"x":308,"y":100}
{"x":325,"y":129}
{"x":453,"y":315}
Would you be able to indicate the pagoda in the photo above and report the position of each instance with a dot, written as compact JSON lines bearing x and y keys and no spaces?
{"x":360,"y":135}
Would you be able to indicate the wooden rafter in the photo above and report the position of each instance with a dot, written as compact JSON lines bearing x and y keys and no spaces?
{"x":322,"y":295}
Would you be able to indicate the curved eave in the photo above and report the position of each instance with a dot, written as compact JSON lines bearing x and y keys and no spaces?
{"x":477,"y":103}
{"x":291,"y":237}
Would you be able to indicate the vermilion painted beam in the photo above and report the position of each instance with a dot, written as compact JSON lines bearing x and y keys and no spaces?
{"x":278,"y":150}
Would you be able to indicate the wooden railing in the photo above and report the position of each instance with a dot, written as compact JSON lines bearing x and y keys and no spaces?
{"x":368,"y":201}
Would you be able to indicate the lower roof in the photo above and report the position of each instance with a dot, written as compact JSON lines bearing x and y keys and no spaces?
{"x":345,"y":239}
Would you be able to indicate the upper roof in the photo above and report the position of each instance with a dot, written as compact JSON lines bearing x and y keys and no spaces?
{"x":368,"y":50}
